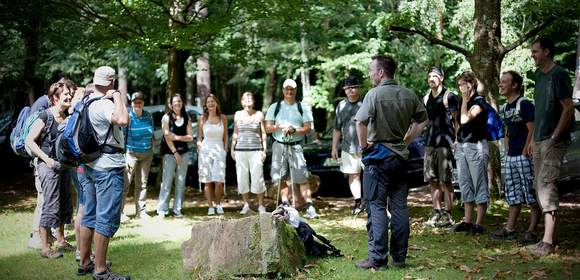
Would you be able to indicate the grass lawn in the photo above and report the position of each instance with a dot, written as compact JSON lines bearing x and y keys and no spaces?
{"x":151,"y":249}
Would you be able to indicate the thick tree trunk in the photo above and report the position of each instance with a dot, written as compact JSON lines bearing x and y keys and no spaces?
{"x":486,"y":63}
{"x":176,"y":71}
{"x":121,"y":77}
{"x":577,"y":85}
{"x":270,"y":88}
{"x":203,"y":77}
{"x":30,"y":35}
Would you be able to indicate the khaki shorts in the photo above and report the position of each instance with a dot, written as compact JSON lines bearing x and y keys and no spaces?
{"x":286,"y":157}
{"x":548,"y":155}
{"x":350,"y":163}
{"x":438,"y":164}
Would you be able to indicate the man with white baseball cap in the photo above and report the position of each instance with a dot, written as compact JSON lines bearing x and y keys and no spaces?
{"x":288,"y":121}
{"x":103,"y":187}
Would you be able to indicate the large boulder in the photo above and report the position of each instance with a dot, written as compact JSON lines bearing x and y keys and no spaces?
{"x":257,"y":245}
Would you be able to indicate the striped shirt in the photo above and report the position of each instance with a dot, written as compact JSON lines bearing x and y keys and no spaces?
{"x":139,"y":132}
{"x":249,"y":137}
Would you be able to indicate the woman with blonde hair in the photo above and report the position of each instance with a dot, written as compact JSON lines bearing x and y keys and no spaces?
{"x":249,"y":151}
{"x":212,"y":140}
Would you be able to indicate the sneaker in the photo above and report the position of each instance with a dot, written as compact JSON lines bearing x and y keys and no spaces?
{"x":108,"y":275}
{"x":78,"y":256}
{"x":462,"y":227}
{"x":368,"y":264}
{"x":245,"y":209}
{"x":357,"y":208}
{"x":477,"y":230}
{"x":211,"y":211}
{"x":178,"y":215}
{"x":261,"y":209}
{"x":503,"y":234}
{"x":89,"y":268}
{"x":435,"y":216}
{"x":445,"y":219}
{"x":143,"y":216}
{"x":220,"y":210}
{"x":311,"y":212}
{"x":124,"y":218}
{"x":543,"y":249}
{"x":161,"y":215}
{"x":529,"y":237}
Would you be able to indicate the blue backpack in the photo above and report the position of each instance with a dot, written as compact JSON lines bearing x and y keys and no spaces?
{"x":494,"y":127}
{"x":78,"y":142}
{"x":19,"y":133}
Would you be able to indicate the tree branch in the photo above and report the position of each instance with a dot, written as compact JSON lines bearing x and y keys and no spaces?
{"x":431,"y":38}
{"x":531,"y":33}
{"x":141,"y":31}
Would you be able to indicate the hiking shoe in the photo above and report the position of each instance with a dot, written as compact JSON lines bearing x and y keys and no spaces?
{"x":435,"y":216}
{"x":477,"y":230}
{"x":368,"y":264}
{"x":245,"y":209}
{"x":529,"y":237}
{"x":211,"y":211}
{"x":261,"y":209}
{"x":398,"y":264}
{"x":143,"y":215}
{"x":503,"y":234}
{"x":108,"y":275}
{"x":219,"y":210}
{"x":311,"y":212}
{"x":357,"y":208}
{"x":50,"y":254}
{"x":178,"y":215}
{"x":462,"y":227}
{"x":66,"y":247}
{"x":445,"y":219}
{"x":161,"y":215}
{"x":90,"y":267}
{"x":543,"y":249}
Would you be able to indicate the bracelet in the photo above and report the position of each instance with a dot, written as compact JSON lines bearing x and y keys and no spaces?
{"x":174,"y":152}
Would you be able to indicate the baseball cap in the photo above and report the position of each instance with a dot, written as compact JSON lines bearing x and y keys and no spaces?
{"x":289,"y":83}
{"x":137,"y":95}
{"x":351,"y":81}
{"x":104,"y":75}
{"x":437,"y":71}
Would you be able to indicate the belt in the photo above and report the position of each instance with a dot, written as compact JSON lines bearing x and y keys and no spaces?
{"x":288,"y":143}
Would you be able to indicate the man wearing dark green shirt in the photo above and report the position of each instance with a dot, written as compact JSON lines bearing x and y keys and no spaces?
{"x":554,"y":115}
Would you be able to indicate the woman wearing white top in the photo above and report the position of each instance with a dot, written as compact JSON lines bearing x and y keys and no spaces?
{"x":249,"y":151}
{"x":212,"y":139}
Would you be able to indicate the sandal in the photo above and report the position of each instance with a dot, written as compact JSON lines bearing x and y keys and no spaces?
{"x":51,"y":254}
{"x":66,"y":247}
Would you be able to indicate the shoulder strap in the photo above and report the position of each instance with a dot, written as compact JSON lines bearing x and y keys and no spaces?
{"x":519,"y":104}
{"x":299,"y":104}
{"x":446,"y":98}
{"x":426,"y":98}
{"x":277,"y":109}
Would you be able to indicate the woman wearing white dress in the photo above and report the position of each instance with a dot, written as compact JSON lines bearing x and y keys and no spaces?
{"x":249,"y":151}
{"x":212,"y":139}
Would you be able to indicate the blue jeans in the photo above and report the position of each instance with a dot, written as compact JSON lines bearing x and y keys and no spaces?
{"x":79,"y":180}
{"x":103,"y":199}
{"x":172,"y":173}
{"x":384,"y":188}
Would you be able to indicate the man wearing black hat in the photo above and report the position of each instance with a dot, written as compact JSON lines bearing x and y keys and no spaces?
{"x":345,"y":126}
{"x":442,"y":107}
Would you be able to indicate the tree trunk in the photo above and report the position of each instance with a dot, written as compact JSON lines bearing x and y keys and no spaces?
{"x":304,"y":73}
{"x":270,"y":88}
{"x":30,"y":35}
{"x":176,"y":71}
{"x":121,"y":77}
{"x":486,"y":63}
{"x":203,"y":77}
{"x":576,"y":93}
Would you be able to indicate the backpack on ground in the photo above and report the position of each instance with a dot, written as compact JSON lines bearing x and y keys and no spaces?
{"x":26,"y":119}
{"x":313,"y":247}
{"x":78,"y":143}
{"x":494,"y":125}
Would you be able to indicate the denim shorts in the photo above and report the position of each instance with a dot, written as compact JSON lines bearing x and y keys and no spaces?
{"x":79,"y":180}
{"x":103,"y":199}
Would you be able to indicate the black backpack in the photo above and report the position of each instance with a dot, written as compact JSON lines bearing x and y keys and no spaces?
{"x":313,"y":247}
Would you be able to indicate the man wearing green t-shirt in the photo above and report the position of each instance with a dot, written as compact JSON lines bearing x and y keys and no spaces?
{"x":554,"y":115}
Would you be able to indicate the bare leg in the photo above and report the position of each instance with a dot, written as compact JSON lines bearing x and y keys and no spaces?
{"x":101,"y":246}
{"x":60,"y":240}
{"x":551,"y":219}
{"x":468,"y":212}
{"x":306,"y":192}
{"x":284,"y":191}
{"x":44,"y":232}
{"x":260,"y":199}
{"x":435,"y":194}
{"x":208,"y":190}
{"x":246,"y":197}
{"x":86,"y":240}
{"x":513,"y":217}
{"x":78,"y":219}
{"x":481,"y":209}
{"x":219,"y":192}
{"x":534,"y":217}
{"x":355,"y":186}
{"x":448,"y":195}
